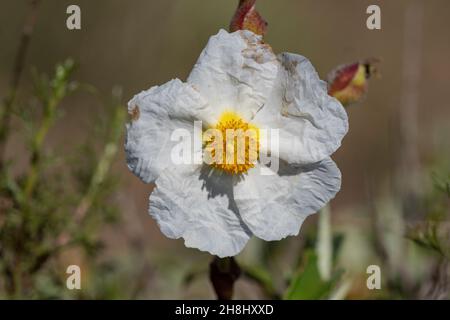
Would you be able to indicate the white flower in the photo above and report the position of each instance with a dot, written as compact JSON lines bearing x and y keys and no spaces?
{"x":213,"y":209}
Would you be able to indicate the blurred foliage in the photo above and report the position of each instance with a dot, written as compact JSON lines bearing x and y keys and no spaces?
{"x":413,"y":257}
{"x":434,"y":233}
{"x":60,"y":201}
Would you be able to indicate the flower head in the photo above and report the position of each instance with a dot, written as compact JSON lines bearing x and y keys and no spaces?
{"x":238,"y":85}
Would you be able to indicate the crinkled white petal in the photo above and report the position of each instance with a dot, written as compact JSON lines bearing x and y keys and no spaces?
{"x":311,"y":123}
{"x":196,"y":204}
{"x":235,"y":71}
{"x":157,"y":113}
{"x":275,"y":206}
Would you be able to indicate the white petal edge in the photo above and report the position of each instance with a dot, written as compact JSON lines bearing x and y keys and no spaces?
{"x":235,"y":72}
{"x":275,"y":206}
{"x":158,"y":112}
{"x":192,"y":203}
{"x":311,"y":123}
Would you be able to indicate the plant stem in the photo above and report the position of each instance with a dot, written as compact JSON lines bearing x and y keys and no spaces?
{"x":100,"y":173}
{"x":104,"y":163}
{"x":36,"y":153}
{"x":19,"y":62}
{"x":324,"y":246}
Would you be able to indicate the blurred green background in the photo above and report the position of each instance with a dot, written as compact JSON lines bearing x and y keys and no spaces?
{"x":394,"y":160}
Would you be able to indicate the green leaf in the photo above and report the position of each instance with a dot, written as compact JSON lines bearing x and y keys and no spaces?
{"x":307,"y":283}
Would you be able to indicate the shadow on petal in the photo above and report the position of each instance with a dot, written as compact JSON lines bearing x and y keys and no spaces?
{"x":218,"y":183}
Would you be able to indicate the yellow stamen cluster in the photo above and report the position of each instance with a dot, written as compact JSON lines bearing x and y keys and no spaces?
{"x":232,"y":145}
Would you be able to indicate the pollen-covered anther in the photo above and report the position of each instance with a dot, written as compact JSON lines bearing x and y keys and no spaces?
{"x":232,"y":145}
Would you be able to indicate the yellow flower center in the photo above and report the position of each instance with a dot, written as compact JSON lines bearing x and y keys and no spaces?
{"x":232,"y":145}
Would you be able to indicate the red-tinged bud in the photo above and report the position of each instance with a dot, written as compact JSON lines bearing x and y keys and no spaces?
{"x":349,"y":83}
{"x":246,"y":17}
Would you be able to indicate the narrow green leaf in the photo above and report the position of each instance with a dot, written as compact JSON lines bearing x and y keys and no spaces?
{"x":307,"y":283}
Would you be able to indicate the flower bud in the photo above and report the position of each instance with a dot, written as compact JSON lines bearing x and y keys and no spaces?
{"x":246,"y":17}
{"x":349,"y":83}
